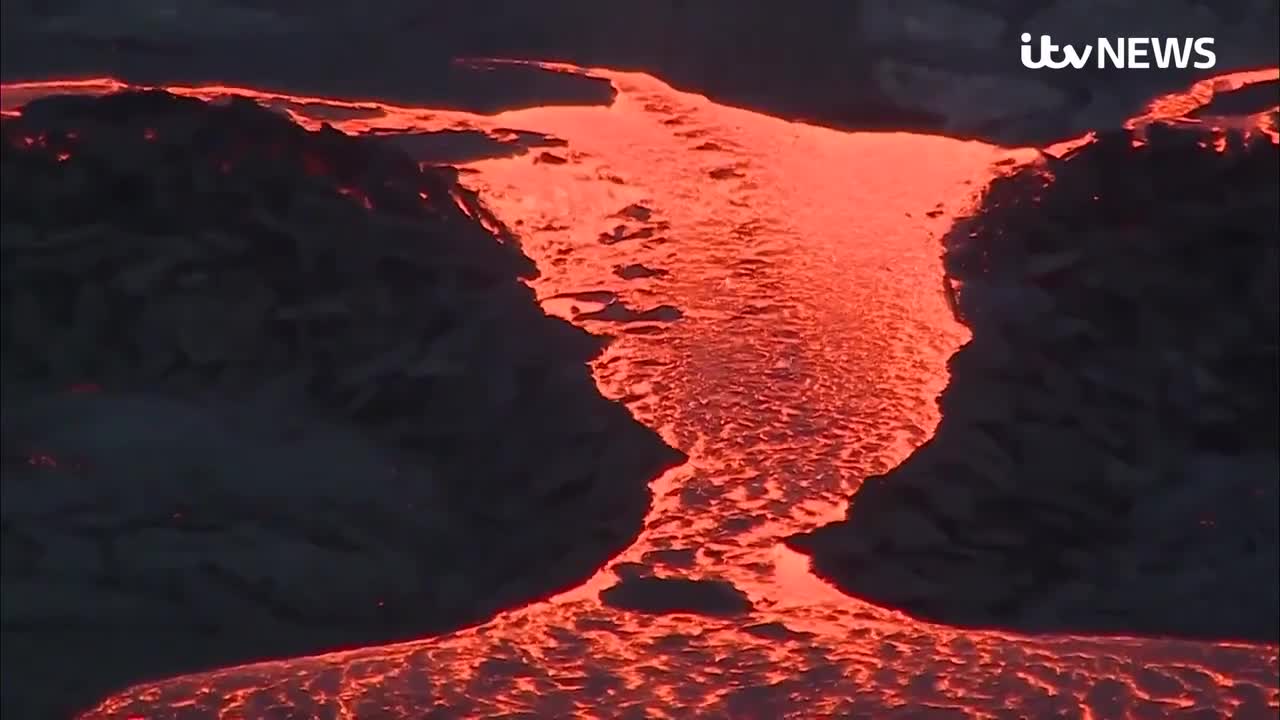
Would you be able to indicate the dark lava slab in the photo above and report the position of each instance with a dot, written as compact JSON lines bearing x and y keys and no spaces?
{"x":465,"y":146}
{"x":636,"y":271}
{"x":777,"y":631}
{"x":666,"y":596}
{"x":619,"y":312}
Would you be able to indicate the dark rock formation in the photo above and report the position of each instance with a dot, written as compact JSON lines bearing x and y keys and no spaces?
{"x":270,"y":392}
{"x":665,"y":596}
{"x":1107,"y":458}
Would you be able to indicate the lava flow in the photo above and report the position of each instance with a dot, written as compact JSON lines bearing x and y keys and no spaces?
{"x":776,"y":292}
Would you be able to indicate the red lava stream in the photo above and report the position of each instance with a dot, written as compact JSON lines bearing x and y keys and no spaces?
{"x":812,"y":346}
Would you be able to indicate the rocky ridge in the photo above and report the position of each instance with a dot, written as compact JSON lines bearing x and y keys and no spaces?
{"x":279,"y":392}
{"x":1107,"y":458}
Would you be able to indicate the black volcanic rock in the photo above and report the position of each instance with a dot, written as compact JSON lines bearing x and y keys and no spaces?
{"x":1107,"y":458}
{"x":277,"y":392}
{"x":664,"y":596}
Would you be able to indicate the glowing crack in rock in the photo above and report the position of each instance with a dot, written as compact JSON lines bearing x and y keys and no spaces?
{"x":808,"y":347}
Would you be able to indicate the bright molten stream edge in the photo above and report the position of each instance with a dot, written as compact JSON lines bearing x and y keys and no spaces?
{"x":810,"y":345}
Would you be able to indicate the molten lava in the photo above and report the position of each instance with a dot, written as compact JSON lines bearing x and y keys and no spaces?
{"x":810,"y":345}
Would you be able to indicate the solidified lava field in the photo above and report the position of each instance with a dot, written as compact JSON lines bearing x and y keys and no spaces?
{"x":775,"y":291}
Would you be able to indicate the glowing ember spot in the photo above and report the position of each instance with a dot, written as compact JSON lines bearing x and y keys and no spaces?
{"x":460,"y":203}
{"x":814,"y":344}
{"x":42,"y":460}
{"x":1066,"y":146}
{"x":357,"y":195}
{"x":149,"y":134}
{"x":315,"y":166}
{"x":488,"y":224}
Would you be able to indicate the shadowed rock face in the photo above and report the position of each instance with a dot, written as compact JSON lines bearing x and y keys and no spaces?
{"x":271,"y":392}
{"x":1106,"y":462}
{"x":940,"y":65}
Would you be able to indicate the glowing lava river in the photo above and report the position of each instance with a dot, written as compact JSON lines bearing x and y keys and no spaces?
{"x":775,"y":290}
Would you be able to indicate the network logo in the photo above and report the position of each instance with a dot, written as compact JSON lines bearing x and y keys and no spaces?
{"x":1133,"y":53}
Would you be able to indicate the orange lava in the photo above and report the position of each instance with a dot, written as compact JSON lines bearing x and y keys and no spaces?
{"x":1173,"y":108}
{"x":1177,"y":105}
{"x":812,"y":345}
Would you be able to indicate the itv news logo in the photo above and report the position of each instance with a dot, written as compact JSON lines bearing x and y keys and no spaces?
{"x":1132,"y":53}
